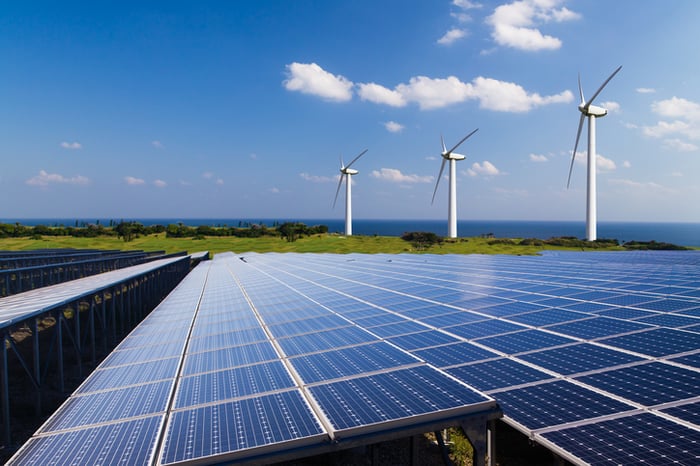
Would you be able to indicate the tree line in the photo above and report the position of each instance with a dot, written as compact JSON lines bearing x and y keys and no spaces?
{"x":130,"y":230}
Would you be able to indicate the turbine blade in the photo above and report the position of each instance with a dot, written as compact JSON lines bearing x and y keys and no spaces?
{"x":442,"y":167}
{"x":355,"y":159}
{"x":442,"y":141}
{"x":580,"y":89}
{"x":573,"y":156}
{"x":342,"y":164}
{"x":463,"y":139}
{"x":337,"y":191}
{"x":602,"y":86}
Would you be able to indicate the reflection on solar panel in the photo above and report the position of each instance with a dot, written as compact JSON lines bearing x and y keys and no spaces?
{"x":594,"y":355}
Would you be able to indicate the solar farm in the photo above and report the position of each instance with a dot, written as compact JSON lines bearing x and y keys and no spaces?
{"x":262,"y":358}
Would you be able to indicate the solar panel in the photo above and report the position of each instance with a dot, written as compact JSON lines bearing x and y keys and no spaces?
{"x":289,"y":352}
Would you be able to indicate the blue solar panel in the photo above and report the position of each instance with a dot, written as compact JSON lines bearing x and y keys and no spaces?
{"x":130,"y":442}
{"x":346,"y":336}
{"x":454,"y":354}
{"x":101,"y":407}
{"x":551,"y":404}
{"x":548,"y":317}
{"x":657,"y":342}
{"x":143,"y":354}
{"x":648,"y":384}
{"x":228,"y":339}
{"x":497,"y":373}
{"x":421,"y":340}
{"x":229,"y":357}
{"x":280,"y":418}
{"x":670,"y":320}
{"x":349,"y":361}
{"x":453,"y":318}
{"x":134,"y":374}
{"x":402,"y":328}
{"x":626,"y":313}
{"x":640,"y":439}
{"x":597,"y":327}
{"x":583,"y":357}
{"x":395,"y":395}
{"x":528,"y":340}
{"x":484,"y":328}
{"x":232,"y":383}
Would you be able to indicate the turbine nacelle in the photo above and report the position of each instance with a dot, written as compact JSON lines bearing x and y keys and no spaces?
{"x":349,"y":171}
{"x":593,"y":110}
{"x":453,"y":156}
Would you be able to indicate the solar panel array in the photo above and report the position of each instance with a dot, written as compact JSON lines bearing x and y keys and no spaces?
{"x":594,"y":355}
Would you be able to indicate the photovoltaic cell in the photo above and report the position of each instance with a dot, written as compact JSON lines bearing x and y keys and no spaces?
{"x":130,"y":442}
{"x":390,"y":396}
{"x":497,"y":373}
{"x":218,"y":386}
{"x":420,"y":340}
{"x":330,"y":365}
{"x":101,"y":407}
{"x":648,"y":384}
{"x":551,"y":404}
{"x":454,"y":354}
{"x":583,"y":357}
{"x":229,"y":357}
{"x":597,"y":327}
{"x":134,"y":374}
{"x":518,"y":342}
{"x":639,"y":439}
{"x":276,"y":419}
{"x":657,"y":342}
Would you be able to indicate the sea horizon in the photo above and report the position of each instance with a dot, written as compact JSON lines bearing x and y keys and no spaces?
{"x":680,"y":233}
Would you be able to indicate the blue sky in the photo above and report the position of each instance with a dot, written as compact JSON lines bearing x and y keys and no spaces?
{"x":242,"y":109}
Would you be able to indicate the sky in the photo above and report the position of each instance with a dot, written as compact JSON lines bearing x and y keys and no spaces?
{"x":244,"y":109}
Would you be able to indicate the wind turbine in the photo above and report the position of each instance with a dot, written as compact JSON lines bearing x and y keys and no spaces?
{"x":346,"y":172}
{"x":452,"y":200}
{"x":592,"y":112}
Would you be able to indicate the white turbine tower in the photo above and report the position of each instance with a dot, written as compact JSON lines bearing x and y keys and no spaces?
{"x":347,"y":172}
{"x":592,"y":112}
{"x":452,"y":200}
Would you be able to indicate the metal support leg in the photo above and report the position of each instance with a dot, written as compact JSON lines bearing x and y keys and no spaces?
{"x":476,"y":433}
{"x":37,"y":364}
{"x":5,"y":390}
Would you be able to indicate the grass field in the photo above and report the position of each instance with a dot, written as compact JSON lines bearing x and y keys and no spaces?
{"x":323,"y":243}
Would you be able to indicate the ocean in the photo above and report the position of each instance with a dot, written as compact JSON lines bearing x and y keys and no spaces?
{"x":684,"y":234}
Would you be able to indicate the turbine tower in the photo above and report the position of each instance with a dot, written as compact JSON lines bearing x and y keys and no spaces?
{"x":452,"y":199}
{"x":592,"y":112}
{"x":347,"y":172}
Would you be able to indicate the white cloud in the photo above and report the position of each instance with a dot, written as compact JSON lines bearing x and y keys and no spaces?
{"x":603,"y":164}
{"x":71,"y":145}
{"x":466,"y":4}
{"x":317,"y":178}
{"x":627,"y":164}
{"x":133,"y":180}
{"x":680,"y":146}
{"x":207,"y":175}
{"x":636,"y":185}
{"x":516,"y":24}
{"x":612,"y":107}
{"x":484,"y":169}
{"x":274,"y":190}
{"x":309,"y":78}
{"x":435,"y":93}
{"x":645,"y":90}
{"x":160,"y":184}
{"x":452,"y":36}
{"x":44,"y":179}
{"x":157,"y":144}
{"x":220,"y":181}
{"x":395,"y":176}
{"x":380,"y":95}
{"x":393,"y":127}
{"x":510,"y":97}
{"x":538,"y":158}
{"x":682,"y":122}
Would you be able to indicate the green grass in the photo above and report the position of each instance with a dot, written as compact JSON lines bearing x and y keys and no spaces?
{"x":326,"y":243}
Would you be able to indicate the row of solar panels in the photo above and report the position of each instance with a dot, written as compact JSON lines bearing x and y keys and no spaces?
{"x":203,"y":378}
{"x":596,"y":356}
